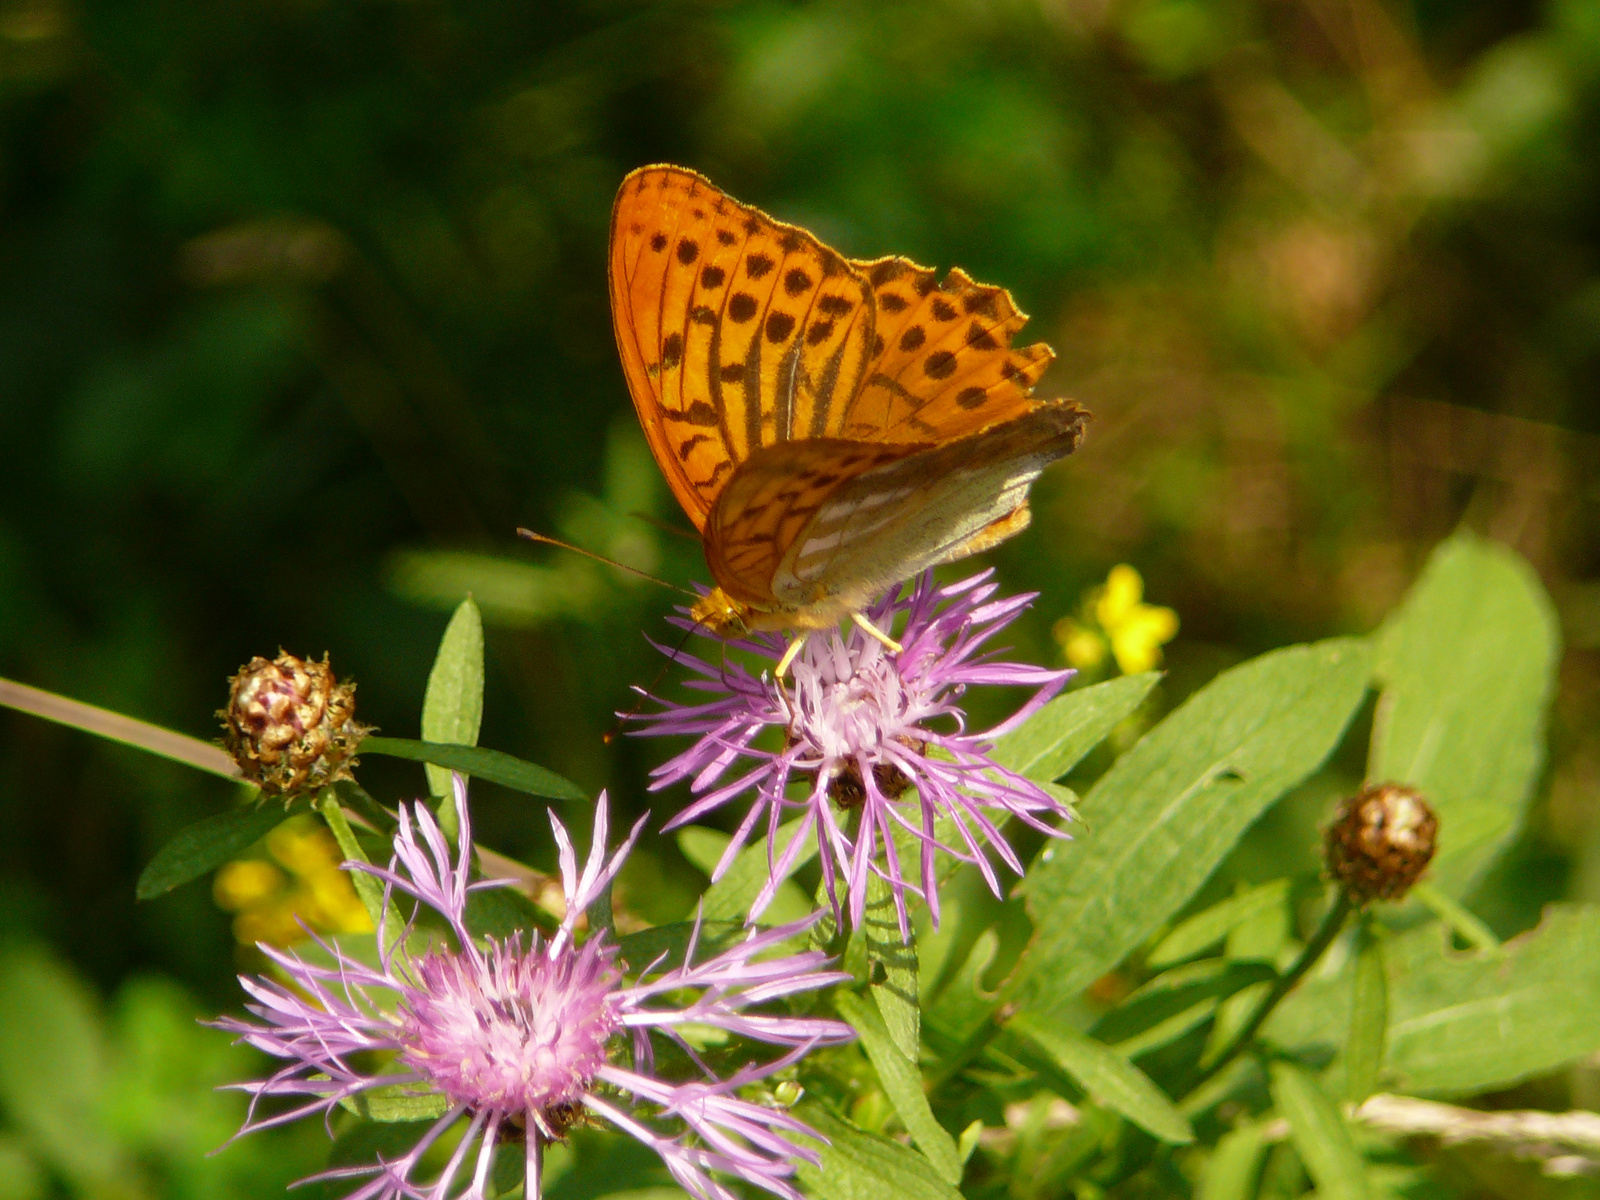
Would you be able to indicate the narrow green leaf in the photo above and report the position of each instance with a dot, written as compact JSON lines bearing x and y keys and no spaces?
{"x":669,"y":943}
{"x":857,"y":1165}
{"x":1320,"y":1133}
{"x":1369,"y":1021}
{"x":1172,"y":994}
{"x":206,"y":845}
{"x":1456,"y":915}
{"x":1234,"y":1168}
{"x":452,"y":706}
{"x":367,"y":888}
{"x":1206,"y":929}
{"x":1109,"y":1078}
{"x":1169,"y":810}
{"x":968,"y":1142}
{"x":1055,"y":739}
{"x":891,"y":968}
{"x":397,"y":1102}
{"x":730,"y":898}
{"x":492,"y":765}
{"x":902,"y":1083}
{"x":1467,"y":664}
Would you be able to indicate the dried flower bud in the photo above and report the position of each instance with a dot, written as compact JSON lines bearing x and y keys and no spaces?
{"x":289,"y":724}
{"x":1381,"y":841}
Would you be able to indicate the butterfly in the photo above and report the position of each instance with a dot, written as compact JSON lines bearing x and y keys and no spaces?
{"x":831,"y":426}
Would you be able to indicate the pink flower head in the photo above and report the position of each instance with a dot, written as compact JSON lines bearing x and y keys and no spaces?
{"x":870,"y":732}
{"x":519,"y":1042}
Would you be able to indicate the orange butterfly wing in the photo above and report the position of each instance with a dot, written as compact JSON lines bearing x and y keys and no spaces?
{"x":942,"y":365}
{"x":736,"y":331}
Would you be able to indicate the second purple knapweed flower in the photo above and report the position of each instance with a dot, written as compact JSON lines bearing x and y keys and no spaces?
{"x":863,"y":727}
{"x":515,"y":1042}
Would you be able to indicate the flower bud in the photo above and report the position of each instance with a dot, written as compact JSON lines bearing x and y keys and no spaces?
{"x":1381,"y":841}
{"x":290,"y":725}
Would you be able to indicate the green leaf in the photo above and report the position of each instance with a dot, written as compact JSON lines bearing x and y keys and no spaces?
{"x":730,"y":898}
{"x":1055,"y":739}
{"x":857,"y":1165}
{"x":902,"y":1083}
{"x":1234,"y":1168}
{"x":1319,"y":1133}
{"x":1468,"y":1023}
{"x":492,"y":765}
{"x":644,"y":947}
{"x":1459,"y":1023}
{"x":1110,"y":1079}
{"x":1169,"y":810}
{"x":1467,"y":664}
{"x":891,"y":968}
{"x":397,"y":1102}
{"x":1369,"y":1021}
{"x":452,"y":706}
{"x":1175,"y":1002}
{"x":1205,"y":929}
{"x":206,"y":845}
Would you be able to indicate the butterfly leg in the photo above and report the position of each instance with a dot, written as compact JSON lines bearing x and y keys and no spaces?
{"x":789,"y":654}
{"x":872,"y":630}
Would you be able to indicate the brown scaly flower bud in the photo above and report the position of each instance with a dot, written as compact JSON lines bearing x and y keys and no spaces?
{"x":1380,"y":842}
{"x":290,"y":725}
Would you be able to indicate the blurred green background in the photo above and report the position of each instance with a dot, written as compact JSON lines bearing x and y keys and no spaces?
{"x":303,"y":311}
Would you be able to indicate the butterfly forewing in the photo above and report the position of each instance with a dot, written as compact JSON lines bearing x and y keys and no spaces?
{"x":736,"y":331}
{"x":943,"y":366}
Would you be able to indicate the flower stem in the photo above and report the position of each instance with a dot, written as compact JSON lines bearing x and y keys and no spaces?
{"x":168,"y":743}
{"x":1332,"y":923}
{"x":327,"y":803}
{"x":533,"y":1187}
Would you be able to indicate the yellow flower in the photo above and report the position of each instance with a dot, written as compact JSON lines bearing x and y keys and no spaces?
{"x":305,"y":883}
{"x":1116,"y":619}
{"x":1137,"y":630}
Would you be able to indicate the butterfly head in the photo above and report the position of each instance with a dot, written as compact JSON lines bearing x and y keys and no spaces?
{"x":722,"y":614}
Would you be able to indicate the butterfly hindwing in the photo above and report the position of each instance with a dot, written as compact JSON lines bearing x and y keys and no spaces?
{"x":937,"y":505}
{"x":823,"y":526}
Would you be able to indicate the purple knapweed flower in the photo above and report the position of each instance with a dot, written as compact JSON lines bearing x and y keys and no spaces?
{"x":521,"y":1041}
{"x":862,"y":726}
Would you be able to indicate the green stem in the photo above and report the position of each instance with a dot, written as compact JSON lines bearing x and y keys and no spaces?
{"x":1332,"y":923}
{"x":179,"y":747}
{"x":327,"y":803}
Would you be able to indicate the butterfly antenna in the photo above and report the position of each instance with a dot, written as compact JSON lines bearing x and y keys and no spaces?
{"x":664,"y":526}
{"x":610,"y":562}
{"x":610,"y":735}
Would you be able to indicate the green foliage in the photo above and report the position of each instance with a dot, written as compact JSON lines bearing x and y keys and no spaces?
{"x":206,"y":845}
{"x":494,"y":766}
{"x":452,"y":705}
{"x":1167,"y":812}
{"x":902,"y":1083}
{"x":1319,"y":1133}
{"x":1467,"y":665}
{"x":857,"y":1165}
{"x":1108,"y":1077}
{"x":1057,"y":737}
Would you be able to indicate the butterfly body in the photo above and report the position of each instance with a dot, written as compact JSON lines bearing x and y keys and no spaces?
{"x":832,"y":427}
